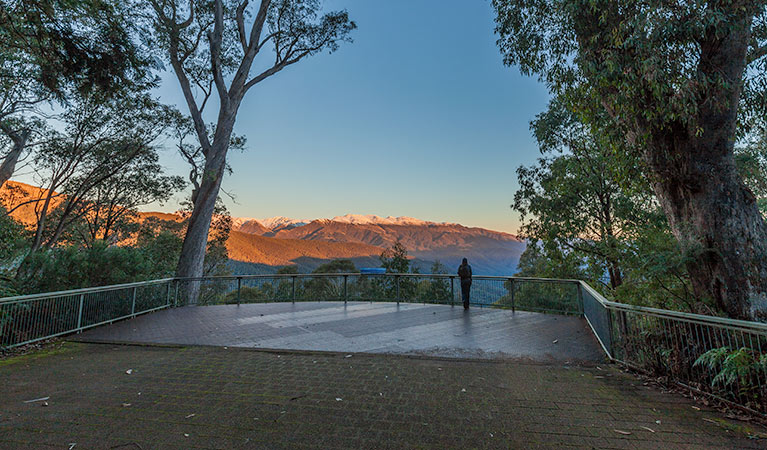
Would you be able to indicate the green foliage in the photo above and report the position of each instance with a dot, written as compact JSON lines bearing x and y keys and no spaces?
{"x":80,"y":44}
{"x":12,"y":238}
{"x":643,"y":59}
{"x":154,"y":255}
{"x":434,"y":290}
{"x":287,"y":270}
{"x":739,"y":368}
{"x":662,"y":91}
{"x":752,"y":166}
{"x":336,"y":266}
{"x":394,"y":259}
{"x":328,"y":288}
{"x":72,"y":267}
{"x":590,"y":214}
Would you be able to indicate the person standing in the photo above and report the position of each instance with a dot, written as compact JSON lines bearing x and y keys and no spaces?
{"x":464,"y":271}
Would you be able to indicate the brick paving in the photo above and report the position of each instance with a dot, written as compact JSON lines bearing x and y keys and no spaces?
{"x":434,"y":330}
{"x":216,"y":397}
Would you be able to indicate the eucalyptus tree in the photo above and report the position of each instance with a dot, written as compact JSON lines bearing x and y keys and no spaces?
{"x":51,"y":49}
{"x":98,"y":140}
{"x":574,"y":195}
{"x":682,"y":81}
{"x":212,"y":47}
{"x":109,"y":211}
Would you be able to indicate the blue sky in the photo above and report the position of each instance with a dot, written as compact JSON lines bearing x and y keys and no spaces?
{"x":418,"y":117}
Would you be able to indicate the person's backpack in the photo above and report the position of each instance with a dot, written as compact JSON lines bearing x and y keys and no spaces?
{"x":464,"y":272}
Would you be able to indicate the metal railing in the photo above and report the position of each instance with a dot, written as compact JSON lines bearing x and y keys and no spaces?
{"x":529,"y":294}
{"x":30,"y":318}
{"x":719,"y":357}
{"x":716,"y":356}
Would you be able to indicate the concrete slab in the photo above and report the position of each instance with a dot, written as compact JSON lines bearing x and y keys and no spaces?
{"x":430,"y":330}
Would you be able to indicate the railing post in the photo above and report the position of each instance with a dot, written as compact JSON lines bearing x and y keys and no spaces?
{"x":80,"y":312}
{"x":580,"y":298}
{"x":452,"y":290}
{"x":167,"y":294}
{"x":175,"y":296}
{"x":513,"y":299}
{"x":346,"y":293}
{"x":239,"y":286}
{"x":293,"y":290}
{"x":396,"y":279}
{"x":133,"y":304}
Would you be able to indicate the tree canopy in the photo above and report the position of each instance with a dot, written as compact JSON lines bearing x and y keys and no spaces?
{"x":678,"y":84}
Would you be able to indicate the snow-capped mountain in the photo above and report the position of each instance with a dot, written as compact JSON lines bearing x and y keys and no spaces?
{"x":370,"y":219}
{"x":273,"y":223}
{"x":280,"y":222}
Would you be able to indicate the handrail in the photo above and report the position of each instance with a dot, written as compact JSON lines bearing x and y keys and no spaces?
{"x":90,"y":290}
{"x":723,"y":321}
{"x":341,"y":274}
{"x":744,"y":324}
{"x":690,"y":317}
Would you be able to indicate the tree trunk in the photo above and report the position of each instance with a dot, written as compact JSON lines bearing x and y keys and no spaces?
{"x":192,"y":259}
{"x":711,"y":212}
{"x":9,"y":162}
{"x":716,"y":219}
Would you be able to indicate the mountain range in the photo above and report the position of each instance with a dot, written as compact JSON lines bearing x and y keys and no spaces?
{"x":489,"y":252}
{"x":263,"y":245}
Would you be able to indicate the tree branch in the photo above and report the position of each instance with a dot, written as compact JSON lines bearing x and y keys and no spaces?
{"x":215,"y":38}
{"x":241,"y":25}
{"x":756,"y":54}
{"x":178,"y":69}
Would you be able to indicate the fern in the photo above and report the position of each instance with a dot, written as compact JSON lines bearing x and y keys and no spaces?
{"x":736,"y":365}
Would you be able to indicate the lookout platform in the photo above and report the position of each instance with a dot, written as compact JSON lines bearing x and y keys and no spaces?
{"x":389,"y":328}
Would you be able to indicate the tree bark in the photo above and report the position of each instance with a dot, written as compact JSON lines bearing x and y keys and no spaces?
{"x":192,"y":258}
{"x":716,"y":219}
{"x":711,"y":212}
{"x":12,"y":158}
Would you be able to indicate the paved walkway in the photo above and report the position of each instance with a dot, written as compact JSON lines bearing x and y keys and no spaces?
{"x":434,"y":330}
{"x":137,"y":397}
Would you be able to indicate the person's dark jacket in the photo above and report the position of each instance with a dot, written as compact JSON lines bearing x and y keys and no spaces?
{"x":464,"y":271}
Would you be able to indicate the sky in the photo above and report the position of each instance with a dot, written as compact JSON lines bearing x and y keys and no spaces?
{"x":417,"y":117}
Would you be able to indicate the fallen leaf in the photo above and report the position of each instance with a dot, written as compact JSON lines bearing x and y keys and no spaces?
{"x":555,"y":341}
{"x":129,"y":371}
{"x":186,"y":435}
{"x":658,"y":422}
{"x":45,"y":404}
{"x":696,"y":408}
{"x":190,"y":416}
{"x":463,"y":390}
{"x":125,"y":405}
{"x":348,"y":356}
{"x":623,"y":432}
{"x":338,"y":399}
